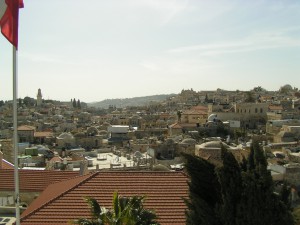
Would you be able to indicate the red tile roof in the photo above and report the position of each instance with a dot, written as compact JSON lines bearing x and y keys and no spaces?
{"x":200,"y":107}
{"x":275,"y":107}
{"x":26,"y":127}
{"x":6,"y":165}
{"x":33,"y":180}
{"x":63,"y":202}
{"x":43,"y":134}
{"x":194,"y":112}
{"x":183,"y":125}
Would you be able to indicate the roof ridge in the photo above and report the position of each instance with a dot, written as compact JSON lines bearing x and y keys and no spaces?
{"x":89,"y":176}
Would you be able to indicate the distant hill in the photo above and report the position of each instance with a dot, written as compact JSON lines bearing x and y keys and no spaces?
{"x":125,"y":102}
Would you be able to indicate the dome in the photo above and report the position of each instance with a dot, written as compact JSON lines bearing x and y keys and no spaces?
{"x":189,"y":141}
{"x":106,"y":124}
{"x":160,"y":167}
{"x":135,"y":117}
{"x":214,"y":144}
{"x":92,"y":131}
{"x":103,"y":132}
{"x":212,"y":117}
{"x":79,"y":135}
{"x":66,"y":136}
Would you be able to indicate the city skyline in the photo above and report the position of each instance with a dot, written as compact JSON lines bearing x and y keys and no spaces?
{"x":132,"y":48}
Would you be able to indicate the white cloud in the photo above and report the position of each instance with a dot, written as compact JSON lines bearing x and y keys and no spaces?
{"x":257,"y":41}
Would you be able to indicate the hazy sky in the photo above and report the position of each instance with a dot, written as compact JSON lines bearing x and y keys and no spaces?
{"x":94,"y":49}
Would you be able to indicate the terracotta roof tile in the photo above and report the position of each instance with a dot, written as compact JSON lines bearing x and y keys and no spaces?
{"x":275,"y":107}
{"x":7,"y":165}
{"x":26,"y":127}
{"x":194,"y":112}
{"x":33,"y":180}
{"x":62,"y":202}
{"x":200,"y":107}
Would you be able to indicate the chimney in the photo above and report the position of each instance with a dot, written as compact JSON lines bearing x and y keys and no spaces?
{"x":83,"y":167}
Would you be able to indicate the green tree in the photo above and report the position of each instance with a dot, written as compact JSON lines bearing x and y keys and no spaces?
{"x":29,"y":101}
{"x":97,"y":213}
{"x":249,"y":97}
{"x":125,"y":211}
{"x":78,"y":104}
{"x":179,"y":115}
{"x":74,"y":103}
{"x":204,"y":195}
{"x":230,"y":179}
{"x":258,"y":202}
{"x":233,"y":194}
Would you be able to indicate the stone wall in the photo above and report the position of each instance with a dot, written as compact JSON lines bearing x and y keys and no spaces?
{"x":26,"y":198}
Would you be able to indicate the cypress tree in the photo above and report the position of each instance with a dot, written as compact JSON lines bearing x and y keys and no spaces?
{"x":235,"y":194}
{"x":204,"y":193}
{"x":74,"y":103}
{"x":259,"y":203}
{"x":230,"y":179}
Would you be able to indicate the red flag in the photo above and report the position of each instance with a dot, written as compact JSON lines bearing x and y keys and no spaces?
{"x":9,"y":19}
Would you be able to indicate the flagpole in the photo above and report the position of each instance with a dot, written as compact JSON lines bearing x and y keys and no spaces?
{"x":15,"y":125}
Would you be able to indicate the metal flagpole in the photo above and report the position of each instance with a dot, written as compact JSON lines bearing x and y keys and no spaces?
{"x":15,"y":142}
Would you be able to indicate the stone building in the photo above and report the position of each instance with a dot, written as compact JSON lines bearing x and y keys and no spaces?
{"x":26,"y":133}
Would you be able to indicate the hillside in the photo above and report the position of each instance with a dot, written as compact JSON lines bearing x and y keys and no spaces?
{"x":124,"y":102}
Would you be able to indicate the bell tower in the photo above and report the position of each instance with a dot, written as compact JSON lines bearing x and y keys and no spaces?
{"x":39,"y":98}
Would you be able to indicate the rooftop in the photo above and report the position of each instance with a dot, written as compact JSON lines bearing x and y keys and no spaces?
{"x":33,"y":180}
{"x":63,"y":201}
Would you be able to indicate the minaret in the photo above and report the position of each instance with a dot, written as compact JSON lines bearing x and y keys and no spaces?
{"x":39,"y":98}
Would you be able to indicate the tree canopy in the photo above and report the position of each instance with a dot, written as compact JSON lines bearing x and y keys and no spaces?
{"x":125,"y":211}
{"x":233,"y":193}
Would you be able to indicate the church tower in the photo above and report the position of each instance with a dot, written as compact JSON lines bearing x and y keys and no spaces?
{"x":39,"y":98}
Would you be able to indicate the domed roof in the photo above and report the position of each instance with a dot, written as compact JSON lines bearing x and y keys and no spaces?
{"x":135,"y":117}
{"x":160,"y":167}
{"x":92,"y":130}
{"x":79,"y":135}
{"x":66,"y":136}
{"x":106,"y":124}
{"x":214,"y":144}
{"x":189,"y":141}
{"x":212,"y":117}
{"x":102,"y":132}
